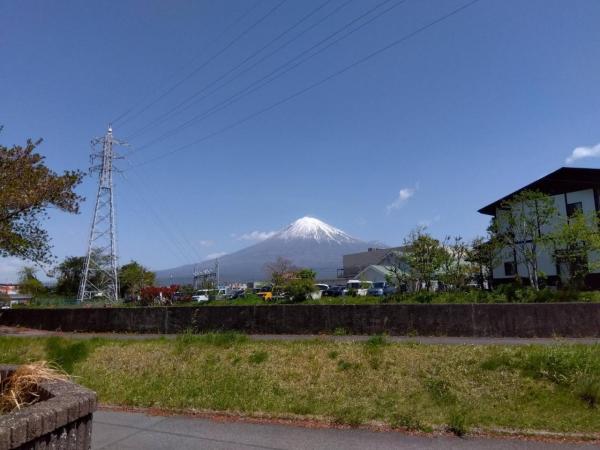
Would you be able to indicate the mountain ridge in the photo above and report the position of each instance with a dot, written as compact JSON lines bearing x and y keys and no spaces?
{"x":307,"y":242}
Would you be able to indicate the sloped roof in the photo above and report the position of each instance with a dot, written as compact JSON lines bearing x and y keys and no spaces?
{"x":565,"y":179}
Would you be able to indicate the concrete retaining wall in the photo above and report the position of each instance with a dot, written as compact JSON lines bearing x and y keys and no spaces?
{"x":500,"y":320}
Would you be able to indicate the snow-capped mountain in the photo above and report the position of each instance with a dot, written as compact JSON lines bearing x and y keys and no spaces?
{"x":307,"y":242}
{"x":311,"y":228}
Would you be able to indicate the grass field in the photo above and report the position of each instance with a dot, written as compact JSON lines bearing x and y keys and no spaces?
{"x":412,"y":386}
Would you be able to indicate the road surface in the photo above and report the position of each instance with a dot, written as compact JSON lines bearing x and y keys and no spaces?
{"x":121,"y":430}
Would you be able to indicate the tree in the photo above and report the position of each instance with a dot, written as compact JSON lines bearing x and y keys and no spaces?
{"x":456,"y":270}
{"x":483,"y":253}
{"x":28,"y":282}
{"x":27,"y":190}
{"x":69,"y":273}
{"x":302,"y":284}
{"x":424,"y":256}
{"x":521,"y":225}
{"x":575,"y":239}
{"x":133,"y":277}
{"x":281,"y":270}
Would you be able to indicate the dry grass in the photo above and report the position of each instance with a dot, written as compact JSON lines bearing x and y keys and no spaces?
{"x":21,"y":387}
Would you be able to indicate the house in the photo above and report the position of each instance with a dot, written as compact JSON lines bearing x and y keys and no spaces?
{"x":9,"y":295}
{"x":572,"y":189}
{"x":354,"y":263}
{"x":375,"y":273}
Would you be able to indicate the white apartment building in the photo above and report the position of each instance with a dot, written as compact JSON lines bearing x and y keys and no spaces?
{"x":572,"y":189}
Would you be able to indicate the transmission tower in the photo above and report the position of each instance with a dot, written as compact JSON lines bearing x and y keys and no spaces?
{"x":100,"y":278}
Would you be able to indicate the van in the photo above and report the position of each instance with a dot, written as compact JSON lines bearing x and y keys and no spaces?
{"x":360,"y":287}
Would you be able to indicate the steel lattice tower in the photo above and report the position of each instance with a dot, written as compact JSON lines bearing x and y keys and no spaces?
{"x":100,"y":276}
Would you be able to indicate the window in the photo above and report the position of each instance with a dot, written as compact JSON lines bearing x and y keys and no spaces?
{"x":509,"y":269}
{"x":574,"y":208}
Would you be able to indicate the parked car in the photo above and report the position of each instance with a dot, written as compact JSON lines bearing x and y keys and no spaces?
{"x":238,"y":293}
{"x":334,"y":291}
{"x":200,"y":296}
{"x":378,"y":289}
{"x":360,"y":288}
{"x":322,"y":287}
{"x":265,"y":292}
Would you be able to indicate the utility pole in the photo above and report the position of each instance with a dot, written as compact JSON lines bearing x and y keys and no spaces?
{"x":100,"y":276}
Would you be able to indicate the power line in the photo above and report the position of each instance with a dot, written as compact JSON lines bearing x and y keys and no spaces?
{"x":179,"y":108}
{"x":214,"y":40}
{"x":255,"y":86}
{"x":274,"y":75}
{"x":324,"y":80}
{"x":208,"y":61}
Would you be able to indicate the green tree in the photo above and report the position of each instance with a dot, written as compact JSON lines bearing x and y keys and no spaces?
{"x":301,"y":285}
{"x":456,"y":270}
{"x":28,"y":282}
{"x":577,"y":245}
{"x":484,"y":254}
{"x":133,"y":277}
{"x":27,"y":189}
{"x":68,"y":274}
{"x":424,"y":257}
{"x":522,"y":225}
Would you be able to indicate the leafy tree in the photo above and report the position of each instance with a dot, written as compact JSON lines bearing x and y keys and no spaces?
{"x":576,"y":238}
{"x":424,"y":256}
{"x":69,"y":274}
{"x":456,"y":270}
{"x":484,"y":253}
{"x":133,"y":277}
{"x":27,"y":190}
{"x":520,"y":225}
{"x":302,"y":284}
{"x":28,"y":282}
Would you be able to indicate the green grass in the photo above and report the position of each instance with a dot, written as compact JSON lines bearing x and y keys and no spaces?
{"x":417,"y":387}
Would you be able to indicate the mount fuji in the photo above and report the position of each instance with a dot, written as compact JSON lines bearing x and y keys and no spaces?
{"x":307,"y":242}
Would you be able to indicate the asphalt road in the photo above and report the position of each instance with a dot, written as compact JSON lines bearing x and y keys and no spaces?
{"x":120,"y":430}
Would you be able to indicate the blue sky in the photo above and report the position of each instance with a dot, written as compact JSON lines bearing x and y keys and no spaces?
{"x":428,"y":132}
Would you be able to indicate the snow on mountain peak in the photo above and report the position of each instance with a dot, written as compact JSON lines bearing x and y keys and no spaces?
{"x":312,"y":228}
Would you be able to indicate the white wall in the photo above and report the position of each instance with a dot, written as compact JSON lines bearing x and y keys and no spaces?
{"x":545,"y":260}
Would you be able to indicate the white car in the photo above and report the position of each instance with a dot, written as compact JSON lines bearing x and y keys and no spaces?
{"x":357,"y":286}
{"x":200,"y":296}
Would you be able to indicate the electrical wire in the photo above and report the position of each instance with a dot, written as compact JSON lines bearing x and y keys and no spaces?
{"x":322,"y":81}
{"x":208,"y":61}
{"x":180,"y":107}
{"x":282,"y":69}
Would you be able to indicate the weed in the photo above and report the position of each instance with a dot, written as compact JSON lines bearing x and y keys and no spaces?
{"x":66,"y":354}
{"x":496,"y":361}
{"x":376,"y":341}
{"x":457,"y":422}
{"x":588,"y":390}
{"x":409,"y":421}
{"x":345,"y":365}
{"x":340,"y":331}
{"x":258,"y":357}
{"x":224,"y":339}
{"x":439,"y":389}
{"x":333,"y":354}
{"x":350,"y":415}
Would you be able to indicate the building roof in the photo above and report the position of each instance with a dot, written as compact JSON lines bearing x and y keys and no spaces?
{"x":565,"y":179}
